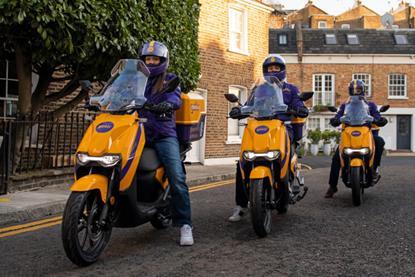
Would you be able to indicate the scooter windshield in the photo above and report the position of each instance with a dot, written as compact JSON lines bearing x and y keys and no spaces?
{"x":125,"y":88}
{"x":356,"y":112}
{"x":265,"y":101}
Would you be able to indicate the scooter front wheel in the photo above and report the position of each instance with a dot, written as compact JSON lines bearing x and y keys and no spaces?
{"x":83,"y":237}
{"x":357,"y":190}
{"x":260,"y":194}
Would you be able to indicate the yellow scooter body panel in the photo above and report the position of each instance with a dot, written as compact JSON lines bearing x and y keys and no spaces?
{"x":116,"y":134}
{"x":261,"y":136}
{"x":355,"y":138}
{"x":91,"y":182}
{"x":261,"y":172}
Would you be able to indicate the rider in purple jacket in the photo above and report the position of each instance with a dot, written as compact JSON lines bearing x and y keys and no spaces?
{"x":356,"y":87}
{"x":161,"y":133}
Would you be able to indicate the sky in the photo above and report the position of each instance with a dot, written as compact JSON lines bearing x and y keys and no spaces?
{"x":335,"y":7}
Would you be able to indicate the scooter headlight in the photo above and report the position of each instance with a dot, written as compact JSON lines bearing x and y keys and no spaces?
{"x":249,"y":155}
{"x":105,"y":161}
{"x":272,"y":155}
{"x":350,"y":151}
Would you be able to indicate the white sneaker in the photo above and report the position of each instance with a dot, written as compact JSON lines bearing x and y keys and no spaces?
{"x":186,"y":236}
{"x":238,"y":213}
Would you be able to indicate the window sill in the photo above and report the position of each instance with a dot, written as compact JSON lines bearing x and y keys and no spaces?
{"x":233,"y":141}
{"x":398,"y":97}
{"x":238,"y":51}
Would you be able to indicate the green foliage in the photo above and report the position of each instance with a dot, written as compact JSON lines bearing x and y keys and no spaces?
{"x":326,"y":136}
{"x":336,"y":136}
{"x":89,"y":36}
{"x":320,"y":108}
{"x":314,"y":136}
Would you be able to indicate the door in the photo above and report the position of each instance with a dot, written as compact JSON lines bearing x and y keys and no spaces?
{"x":403,"y":132}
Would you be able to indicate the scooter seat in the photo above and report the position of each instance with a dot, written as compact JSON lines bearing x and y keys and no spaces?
{"x":149,"y":160}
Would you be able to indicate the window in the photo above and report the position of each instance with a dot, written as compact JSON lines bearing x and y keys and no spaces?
{"x":8,"y":89}
{"x":397,"y":86}
{"x":345,"y":26}
{"x":327,"y":125}
{"x":352,"y":39}
{"x":395,"y":26}
{"x":282,"y":39}
{"x":313,"y":123}
{"x":235,"y":131}
{"x":323,"y":86}
{"x":366,"y":78}
{"x":322,"y":24}
{"x":331,"y":39}
{"x":401,"y":39}
{"x":238,"y":39}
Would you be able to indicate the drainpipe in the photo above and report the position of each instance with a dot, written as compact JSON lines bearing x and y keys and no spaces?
{"x":300,"y":50}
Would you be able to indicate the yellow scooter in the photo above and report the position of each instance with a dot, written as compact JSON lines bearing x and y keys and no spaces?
{"x":357,"y":147}
{"x":268,"y":163}
{"x":119,"y":182}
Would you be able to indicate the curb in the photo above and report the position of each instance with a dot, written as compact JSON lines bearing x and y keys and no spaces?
{"x":57,"y":207}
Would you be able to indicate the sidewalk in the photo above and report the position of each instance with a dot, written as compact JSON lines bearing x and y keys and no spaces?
{"x":30,"y":205}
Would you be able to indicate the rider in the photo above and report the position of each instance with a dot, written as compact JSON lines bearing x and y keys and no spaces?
{"x":161,"y":133}
{"x":274,"y":71}
{"x":357,"y":87}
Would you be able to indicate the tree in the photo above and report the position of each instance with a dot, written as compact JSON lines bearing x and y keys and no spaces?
{"x":85,"y":38}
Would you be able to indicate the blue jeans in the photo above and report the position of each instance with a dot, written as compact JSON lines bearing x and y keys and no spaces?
{"x":168,"y":151}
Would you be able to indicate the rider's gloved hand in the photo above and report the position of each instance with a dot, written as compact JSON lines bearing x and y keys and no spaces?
{"x":381,"y":122}
{"x":163,"y":107}
{"x":334,"y":122}
{"x":302,"y":112}
{"x":235,"y":113}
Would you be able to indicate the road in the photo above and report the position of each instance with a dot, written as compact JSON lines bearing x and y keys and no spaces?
{"x":317,"y":237}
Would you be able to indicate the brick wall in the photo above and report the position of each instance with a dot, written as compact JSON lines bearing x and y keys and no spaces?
{"x":343,"y":75}
{"x":221,"y":68}
{"x":321,"y":17}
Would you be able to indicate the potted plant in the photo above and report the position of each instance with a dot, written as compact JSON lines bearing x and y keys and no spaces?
{"x":314,"y":136}
{"x":326,"y":136}
{"x":336,"y":136}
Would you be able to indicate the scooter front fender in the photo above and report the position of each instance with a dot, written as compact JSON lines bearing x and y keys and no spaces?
{"x":356,"y":162}
{"x":261,"y":172}
{"x":91,"y":182}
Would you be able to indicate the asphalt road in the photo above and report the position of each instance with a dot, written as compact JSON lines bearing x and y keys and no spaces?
{"x":317,"y":237}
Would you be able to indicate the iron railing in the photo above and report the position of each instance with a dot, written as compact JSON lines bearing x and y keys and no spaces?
{"x":46,"y":143}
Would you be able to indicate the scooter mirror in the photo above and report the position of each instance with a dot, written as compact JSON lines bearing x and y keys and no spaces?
{"x":384,"y":108}
{"x":304,"y":96}
{"x":172,"y":84}
{"x":231,"y":97}
{"x":332,"y":109}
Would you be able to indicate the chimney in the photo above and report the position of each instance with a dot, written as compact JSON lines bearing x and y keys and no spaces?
{"x":299,"y":39}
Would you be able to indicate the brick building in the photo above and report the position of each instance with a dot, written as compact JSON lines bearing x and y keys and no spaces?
{"x":325,"y":61}
{"x":233,"y":41}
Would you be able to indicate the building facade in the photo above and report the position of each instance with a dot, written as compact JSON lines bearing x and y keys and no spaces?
{"x":325,"y":61}
{"x":233,"y":41}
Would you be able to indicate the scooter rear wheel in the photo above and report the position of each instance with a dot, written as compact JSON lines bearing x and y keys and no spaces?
{"x":82,"y":237}
{"x":260,"y":194}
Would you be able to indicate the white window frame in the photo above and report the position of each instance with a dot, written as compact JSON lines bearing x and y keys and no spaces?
{"x":313,"y":118}
{"x":405,"y":96}
{"x":232,"y":139}
{"x":345,"y":26}
{"x":356,"y":76}
{"x":244,"y":33}
{"x":320,"y":23}
{"x":7,"y":98}
{"x":323,"y":91}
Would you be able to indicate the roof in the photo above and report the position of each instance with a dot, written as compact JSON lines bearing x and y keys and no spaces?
{"x":371,"y":41}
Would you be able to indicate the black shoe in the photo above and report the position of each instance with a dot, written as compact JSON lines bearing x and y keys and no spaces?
{"x":330,"y":192}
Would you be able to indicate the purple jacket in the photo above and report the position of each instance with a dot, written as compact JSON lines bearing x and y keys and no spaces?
{"x":373,"y":110}
{"x":156,"y":126}
{"x":291,"y":99}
